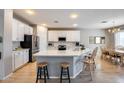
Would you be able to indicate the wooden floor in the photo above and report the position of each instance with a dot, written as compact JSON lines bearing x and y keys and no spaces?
{"x":105,"y":73}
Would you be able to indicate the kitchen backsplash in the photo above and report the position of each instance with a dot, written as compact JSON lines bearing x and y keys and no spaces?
{"x":16,"y":45}
{"x":69,"y":45}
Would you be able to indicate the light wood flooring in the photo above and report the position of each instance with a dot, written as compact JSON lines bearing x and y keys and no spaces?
{"x":105,"y":73}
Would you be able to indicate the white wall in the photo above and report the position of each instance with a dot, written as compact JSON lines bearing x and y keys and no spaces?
{"x":6,"y":30}
{"x":8,"y":15}
{"x":111,"y":40}
{"x":1,"y":44}
{"x":86,"y":33}
{"x":42,"y":33}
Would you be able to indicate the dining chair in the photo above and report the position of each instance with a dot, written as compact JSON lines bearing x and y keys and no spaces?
{"x":115,"y":58}
{"x":89,"y":63}
{"x":104,"y":53}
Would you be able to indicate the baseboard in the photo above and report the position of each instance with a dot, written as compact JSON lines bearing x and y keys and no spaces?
{"x":72,"y":77}
{"x":77,"y":73}
{"x":7,"y":76}
{"x":55,"y":77}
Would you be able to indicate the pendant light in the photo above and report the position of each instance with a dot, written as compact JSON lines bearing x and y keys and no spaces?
{"x":113,"y":29}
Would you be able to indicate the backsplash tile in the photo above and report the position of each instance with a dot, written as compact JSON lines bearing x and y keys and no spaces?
{"x":15,"y":45}
{"x":69,"y":45}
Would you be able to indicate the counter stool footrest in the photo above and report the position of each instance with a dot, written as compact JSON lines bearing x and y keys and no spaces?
{"x":65,"y":72}
{"x":42,"y":69}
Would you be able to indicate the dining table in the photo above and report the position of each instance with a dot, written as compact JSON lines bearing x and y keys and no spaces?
{"x":121,"y":54}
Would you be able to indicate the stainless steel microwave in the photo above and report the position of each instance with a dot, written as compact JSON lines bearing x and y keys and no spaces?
{"x":62,"y":39}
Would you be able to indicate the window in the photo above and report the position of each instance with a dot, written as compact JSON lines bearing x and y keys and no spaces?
{"x":119,"y":39}
{"x":96,"y":40}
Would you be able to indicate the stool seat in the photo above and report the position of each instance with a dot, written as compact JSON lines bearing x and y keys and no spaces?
{"x":65,"y":64}
{"x":42,"y":68}
{"x":42,"y":64}
{"x":65,"y":71}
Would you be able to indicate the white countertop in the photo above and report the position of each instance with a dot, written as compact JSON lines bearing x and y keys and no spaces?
{"x":20,"y":49}
{"x":61,"y":53}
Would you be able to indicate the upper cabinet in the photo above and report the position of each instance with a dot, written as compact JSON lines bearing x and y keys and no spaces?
{"x":19,"y":29}
{"x":28,"y":30}
{"x":62,"y":33}
{"x":71,"y":36}
{"x":53,"y":36}
{"x":14,"y":30}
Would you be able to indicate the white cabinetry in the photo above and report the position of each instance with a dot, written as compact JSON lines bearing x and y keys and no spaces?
{"x":28,"y":30}
{"x":20,"y":32}
{"x":19,"y":29}
{"x":53,"y":36}
{"x":71,"y":36}
{"x":62,"y":34}
{"x":19,"y":58}
{"x":26,"y":56}
{"x":14,"y":30}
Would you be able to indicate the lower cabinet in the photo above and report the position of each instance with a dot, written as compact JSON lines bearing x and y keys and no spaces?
{"x":20,"y":58}
{"x":26,"y":56}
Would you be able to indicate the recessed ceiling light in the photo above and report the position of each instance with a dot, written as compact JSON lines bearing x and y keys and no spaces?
{"x":30,"y":12}
{"x":44,"y":24}
{"x":74,"y":16}
{"x":104,"y":22}
{"x":75,"y":25}
{"x":56,"y":21}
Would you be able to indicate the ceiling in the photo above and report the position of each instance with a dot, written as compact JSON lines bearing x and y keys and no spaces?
{"x":87,"y":18}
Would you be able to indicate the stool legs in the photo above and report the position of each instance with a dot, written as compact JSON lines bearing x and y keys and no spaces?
{"x":66,"y":73}
{"x":38,"y":72}
{"x":45,"y":73}
{"x":61,"y":74}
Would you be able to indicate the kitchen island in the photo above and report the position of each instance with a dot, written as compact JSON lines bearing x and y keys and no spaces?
{"x":55,"y":57}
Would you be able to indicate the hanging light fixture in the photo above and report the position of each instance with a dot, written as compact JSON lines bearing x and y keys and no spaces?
{"x":113,"y":29}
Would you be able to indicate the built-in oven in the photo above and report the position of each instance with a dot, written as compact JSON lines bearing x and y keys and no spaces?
{"x":61,"y":47}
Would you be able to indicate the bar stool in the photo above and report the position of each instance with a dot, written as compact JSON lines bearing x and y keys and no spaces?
{"x":64,"y":72}
{"x":42,"y":67}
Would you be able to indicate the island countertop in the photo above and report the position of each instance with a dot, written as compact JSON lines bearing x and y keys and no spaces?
{"x":61,"y":53}
{"x":55,"y":57}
